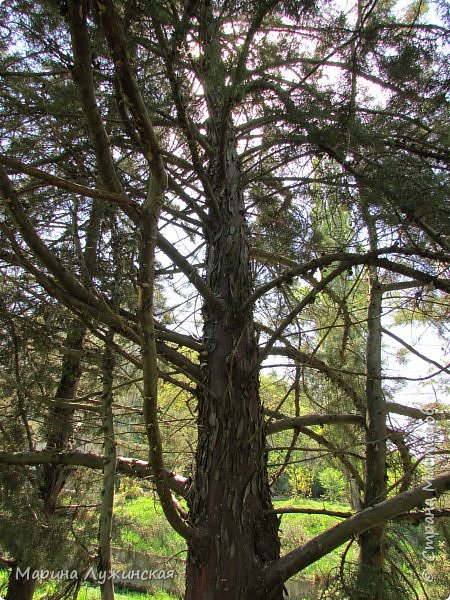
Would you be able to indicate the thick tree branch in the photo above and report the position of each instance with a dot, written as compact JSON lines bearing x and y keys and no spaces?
{"x":84,"y":80}
{"x":293,"y":562}
{"x":37,"y":246}
{"x":148,"y":230}
{"x":64,"y":184}
{"x":416,"y":413}
{"x":294,"y":510}
{"x":308,"y":420}
{"x":150,"y":146}
{"x":345,"y":261}
{"x":131,"y":467}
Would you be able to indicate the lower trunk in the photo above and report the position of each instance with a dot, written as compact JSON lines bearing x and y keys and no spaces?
{"x":20,"y":586}
{"x":372,"y":542}
{"x":230,"y":499}
{"x":371,"y":565}
{"x":227,"y":576}
{"x":109,"y":472}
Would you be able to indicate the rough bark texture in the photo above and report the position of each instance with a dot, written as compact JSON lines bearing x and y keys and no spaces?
{"x":20,"y":588}
{"x":60,"y":420}
{"x":230,"y":491}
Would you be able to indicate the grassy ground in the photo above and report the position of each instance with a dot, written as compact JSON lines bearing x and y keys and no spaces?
{"x":140,"y":525}
{"x":45,"y":591}
{"x":296,"y":529}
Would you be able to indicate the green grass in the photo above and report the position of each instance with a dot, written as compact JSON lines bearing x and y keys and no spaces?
{"x":94,"y":594}
{"x":141,"y":525}
{"x":144,"y":528}
{"x":297,"y":529}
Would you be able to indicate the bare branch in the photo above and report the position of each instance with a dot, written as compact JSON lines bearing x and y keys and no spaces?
{"x":416,"y":413}
{"x":414,"y":351}
{"x":293,"y":562}
{"x":307,"y":420}
{"x":64,"y":184}
{"x":131,"y":467}
{"x":291,"y":510}
{"x":190,"y":272}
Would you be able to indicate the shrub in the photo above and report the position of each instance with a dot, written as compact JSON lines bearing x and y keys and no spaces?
{"x":333,"y":483}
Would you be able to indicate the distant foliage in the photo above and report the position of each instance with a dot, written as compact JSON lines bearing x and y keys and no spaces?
{"x":301,"y":480}
{"x":333,"y":482}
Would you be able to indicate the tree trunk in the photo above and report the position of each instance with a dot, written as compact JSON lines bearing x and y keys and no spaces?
{"x":59,"y":432}
{"x":19,"y":587}
{"x":109,"y":472}
{"x":372,"y":542}
{"x":230,"y":491}
{"x":60,"y":419}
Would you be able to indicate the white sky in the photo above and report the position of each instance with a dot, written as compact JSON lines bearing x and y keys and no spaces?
{"x":424,"y":340}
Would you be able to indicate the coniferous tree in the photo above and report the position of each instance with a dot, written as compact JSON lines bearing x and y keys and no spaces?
{"x":205,"y":130}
